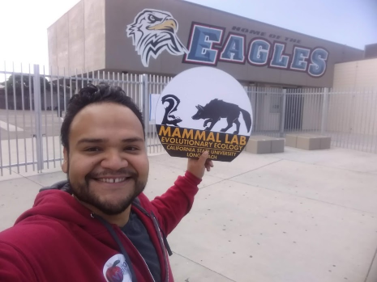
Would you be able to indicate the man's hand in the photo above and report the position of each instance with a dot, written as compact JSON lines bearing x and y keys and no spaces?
{"x":197,"y":166}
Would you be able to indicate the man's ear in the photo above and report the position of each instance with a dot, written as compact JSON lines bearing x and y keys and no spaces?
{"x":65,"y":160}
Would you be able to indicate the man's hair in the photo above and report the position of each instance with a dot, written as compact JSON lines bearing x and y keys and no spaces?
{"x":93,"y":94}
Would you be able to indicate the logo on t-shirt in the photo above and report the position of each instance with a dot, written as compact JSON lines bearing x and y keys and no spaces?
{"x":116,"y":269}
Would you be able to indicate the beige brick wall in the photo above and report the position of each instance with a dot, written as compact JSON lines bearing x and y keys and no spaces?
{"x":77,"y":40}
{"x":357,"y":74}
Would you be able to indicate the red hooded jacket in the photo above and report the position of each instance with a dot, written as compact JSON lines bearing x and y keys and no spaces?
{"x":61,"y":240}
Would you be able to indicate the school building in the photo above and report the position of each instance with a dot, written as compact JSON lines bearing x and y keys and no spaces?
{"x":166,"y":37}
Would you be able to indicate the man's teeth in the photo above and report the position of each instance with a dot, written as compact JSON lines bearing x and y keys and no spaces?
{"x":112,"y":180}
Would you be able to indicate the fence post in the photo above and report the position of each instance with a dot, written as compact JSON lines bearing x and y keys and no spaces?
{"x":145,"y":106}
{"x":282,"y":112}
{"x":324,"y":110}
{"x":38,"y":117}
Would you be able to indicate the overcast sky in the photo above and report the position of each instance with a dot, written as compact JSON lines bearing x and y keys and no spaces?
{"x":24,"y":23}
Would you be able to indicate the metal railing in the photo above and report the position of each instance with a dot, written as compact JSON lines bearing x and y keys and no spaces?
{"x":33,"y":102}
{"x":32,"y":107}
{"x":348,"y":116}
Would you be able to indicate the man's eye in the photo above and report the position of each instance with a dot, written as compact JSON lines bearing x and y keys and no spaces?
{"x":131,"y":148}
{"x":93,"y":149}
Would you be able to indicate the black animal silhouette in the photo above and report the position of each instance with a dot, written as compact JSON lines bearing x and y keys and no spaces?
{"x":217,"y":109}
{"x":170,"y":119}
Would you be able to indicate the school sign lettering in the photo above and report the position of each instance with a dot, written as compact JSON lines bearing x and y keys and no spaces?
{"x":154,"y":31}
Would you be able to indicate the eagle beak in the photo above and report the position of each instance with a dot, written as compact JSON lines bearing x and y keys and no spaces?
{"x":170,"y":25}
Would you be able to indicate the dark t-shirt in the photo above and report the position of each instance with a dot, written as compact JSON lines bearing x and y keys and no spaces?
{"x":138,"y":235}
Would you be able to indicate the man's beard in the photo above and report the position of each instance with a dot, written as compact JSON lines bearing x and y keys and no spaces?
{"x":83,"y":193}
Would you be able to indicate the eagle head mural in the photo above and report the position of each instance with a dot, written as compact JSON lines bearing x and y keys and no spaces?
{"x":154,"y":31}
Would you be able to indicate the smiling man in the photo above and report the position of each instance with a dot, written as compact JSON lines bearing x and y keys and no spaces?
{"x":98,"y":225}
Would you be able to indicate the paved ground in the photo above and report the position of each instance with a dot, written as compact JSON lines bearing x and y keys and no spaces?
{"x":295,"y":217}
{"x":21,"y":124}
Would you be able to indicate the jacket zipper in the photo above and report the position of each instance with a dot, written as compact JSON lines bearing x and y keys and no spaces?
{"x":159,"y":234}
{"x":141,"y":257}
{"x":157,"y":227}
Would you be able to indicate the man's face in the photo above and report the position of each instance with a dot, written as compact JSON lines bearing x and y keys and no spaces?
{"x":107,"y":164}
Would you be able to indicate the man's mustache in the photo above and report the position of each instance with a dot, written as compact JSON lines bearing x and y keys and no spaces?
{"x":119,"y":173}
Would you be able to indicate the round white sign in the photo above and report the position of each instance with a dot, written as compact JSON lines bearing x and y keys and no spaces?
{"x":204,"y":108}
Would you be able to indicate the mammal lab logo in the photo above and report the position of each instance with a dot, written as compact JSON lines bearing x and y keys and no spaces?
{"x":204,"y":109}
{"x":154,"y":31}
{"x":217,"y":109}
{"x":116,"y":269}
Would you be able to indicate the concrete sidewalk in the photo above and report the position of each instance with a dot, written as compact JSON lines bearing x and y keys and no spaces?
{"x":299,"y":216}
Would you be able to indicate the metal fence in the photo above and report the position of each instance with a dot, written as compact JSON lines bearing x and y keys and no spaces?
{"x":32,"y":107}
{"x":33,"y":102}
{"x":349,"y":116}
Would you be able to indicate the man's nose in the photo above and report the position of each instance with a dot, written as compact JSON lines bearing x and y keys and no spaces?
{"x":114,"y":160}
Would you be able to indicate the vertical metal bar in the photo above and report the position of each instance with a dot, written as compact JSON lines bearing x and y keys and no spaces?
{"x":282,"y":112}
{"x":153,"y":89}
{"x":64,"y":95}
{"x":138,"y":97}
{"x":58,"y":97}
{"x":76,"y":81}
{"x":134,"y":86}
{"x":324,"y":110}
{"x":147,"y":94}
{"x":318,"y":109}
{"x":290,"y":109}
{"x":358,"y":120}
{"x":31,"y":119}
{"x":361,"y":121}
{"x":265,"y":118}
{"x":343,"y":106}
{"x":23,"y":116}
{"x":330,"y":115}
{"x":1,"y":138}
{"x":70,"y":87}
{"x":338,"y":106}
{"x":122,"y":83}
{"x":338,"y":103}
{"x":7,"y":114}
{"x":15,"y":119}
{"x":333,"y":111}
{"x":350,"y":116}
{"x":128,"y":86}
{"x":60,"y":109}
{"x":304,"y":98}
{"x":352,"y":119}
{"x":156,"y":89}
{"x":312,"y":120}
{"x":267,"y":101}
{"x":293,"y":105}
{"x":38,"y":117}
{"x":45,"y":115}
{"x":52,"y":117}
{"x":144,"y":106}
{"x":364,"y":123}
{"x":310,"y":106}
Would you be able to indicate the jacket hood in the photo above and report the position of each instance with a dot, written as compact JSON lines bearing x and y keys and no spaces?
{"x":57,"y":202}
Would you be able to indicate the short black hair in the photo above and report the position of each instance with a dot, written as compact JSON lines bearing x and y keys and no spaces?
{"x":92,"y":94}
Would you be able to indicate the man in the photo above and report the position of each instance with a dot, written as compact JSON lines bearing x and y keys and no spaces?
{"x":98,"y":225}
